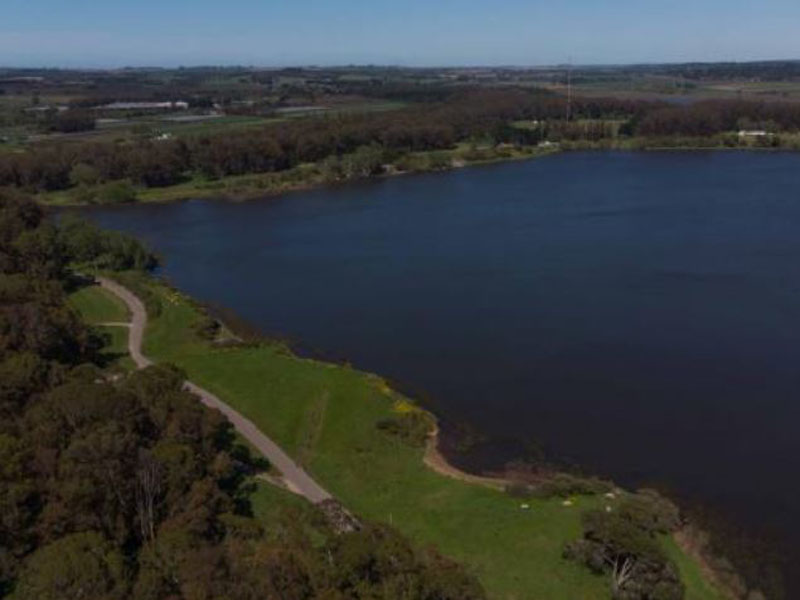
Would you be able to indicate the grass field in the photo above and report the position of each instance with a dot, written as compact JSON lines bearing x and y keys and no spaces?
{"x":96,"y":305}
{"x":661,"y":87}
{"x":115,"y":352}
{"x":696,"y":584}
{"x":328,"y":413}
{"x":227,"y":123}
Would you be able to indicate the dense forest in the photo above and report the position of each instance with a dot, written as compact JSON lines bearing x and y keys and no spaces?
{"x":128,"y":487}
{"x":719,"y":116}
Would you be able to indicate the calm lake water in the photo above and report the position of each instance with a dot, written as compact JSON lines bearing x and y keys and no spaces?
{"x":634,"y":313}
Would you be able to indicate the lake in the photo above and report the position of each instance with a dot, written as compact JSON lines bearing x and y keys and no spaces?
{"x":634,"y":313}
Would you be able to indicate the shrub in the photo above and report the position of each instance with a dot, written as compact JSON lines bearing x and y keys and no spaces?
{"x":117,"y":192}
{"x":619,"y":536}
{"x":587,"y":553}
{"x":83,"y":174}
{"x":412,"y":427}
{"x":84,"y":194}
{"x":438,"y":161}
{"x":207,"y":328}
{"x":85,"y":243}
{"x":410,"y":163}
{"x":477,"y":154}
{"x":623,"y":544}
{"x":651,"y":512}
{"x":564,"y":484}
{"x":518,"y":489}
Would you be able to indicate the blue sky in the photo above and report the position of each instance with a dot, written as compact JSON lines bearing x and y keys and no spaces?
{"x":99,"y":33}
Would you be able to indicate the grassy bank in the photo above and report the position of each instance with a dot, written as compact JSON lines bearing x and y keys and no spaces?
{"x":306,"y":176}
{"x":96,"y":307}
{"x":325,"y":416}
{"x":313,"y":175}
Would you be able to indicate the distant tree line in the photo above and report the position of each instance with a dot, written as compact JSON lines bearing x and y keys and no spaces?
{"x":472,"y":115}
{"x":117,"y":489}
{"x":770,"y":70}
{"x":153,"y":163}
{"x":718,"y":116}
{"x":71,"y":121}
{"x":49,"y":120}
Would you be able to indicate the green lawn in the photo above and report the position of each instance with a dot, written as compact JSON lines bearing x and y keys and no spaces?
{"x":216,"y":125}
{"x":697,"y":587}
{"x":516,"y":553}
{"x":115,"y":353}
{"x":96,"y":305}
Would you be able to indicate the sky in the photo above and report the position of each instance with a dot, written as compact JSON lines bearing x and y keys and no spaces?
{"x":114,"y":33}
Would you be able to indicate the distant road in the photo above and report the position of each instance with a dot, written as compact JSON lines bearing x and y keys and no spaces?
{"x":295,"y":477}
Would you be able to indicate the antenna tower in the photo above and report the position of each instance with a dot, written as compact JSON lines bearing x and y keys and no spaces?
{"x":569,"y":89}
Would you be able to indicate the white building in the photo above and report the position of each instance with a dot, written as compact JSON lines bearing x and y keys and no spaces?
{"x":745,"y":133}
{"x":179,"y":105}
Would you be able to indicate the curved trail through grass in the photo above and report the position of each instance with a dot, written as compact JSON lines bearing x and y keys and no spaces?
{"x":295,"y":477}
{"x":326,"y":416}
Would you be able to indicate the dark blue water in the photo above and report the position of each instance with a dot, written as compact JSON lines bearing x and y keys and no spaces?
{"x":637,"y":313}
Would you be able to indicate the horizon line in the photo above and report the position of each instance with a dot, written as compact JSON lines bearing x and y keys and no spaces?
{"x":367,"y":65}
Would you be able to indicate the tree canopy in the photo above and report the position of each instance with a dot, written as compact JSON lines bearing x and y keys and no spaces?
{"x":116,"y":489}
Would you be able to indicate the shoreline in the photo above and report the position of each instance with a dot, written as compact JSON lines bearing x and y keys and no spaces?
{"x":435,"y":461}
{"x":685,"y":539}
{"x":242,"y":188}
{"x":253,"y":186}
{"x":690,"y":540}
{"x":433,"y":457}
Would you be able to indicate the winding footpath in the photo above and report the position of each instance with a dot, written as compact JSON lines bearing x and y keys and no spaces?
{"x":294,"y":476}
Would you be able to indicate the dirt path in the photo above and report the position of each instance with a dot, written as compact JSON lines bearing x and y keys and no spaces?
{"x":434,"y":460}
{"x":295,"y":477}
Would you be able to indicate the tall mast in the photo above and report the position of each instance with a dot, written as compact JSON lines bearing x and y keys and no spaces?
{"x":569,"y":89}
